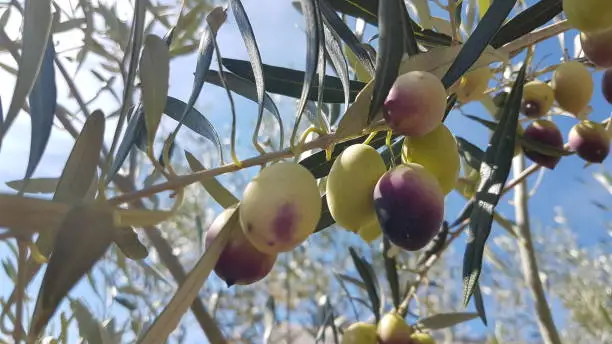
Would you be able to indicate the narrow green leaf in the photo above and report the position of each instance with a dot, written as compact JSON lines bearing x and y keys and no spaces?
{"x":247,"y":89}
{"x":127,"y":240}
{"x":311,"y":16}
{"x":341,"y":30}
{"x":75,"y":181}
{"x":135,"y":133}
{"x":43,"y":101}
{"x":391,"y":272}
{"x":334,"y":53}
{"x":445,"y":320}
{"x":458,"y":10}
{"x":37,"y":20}
{"x":479,"y":303}
{"x":21,"y":215}
{"x":36,"y":185}
{"x":244,"y":25}
{"x":527,"y":21}
{"x":89,"y":327}
{"x":436,"y":245}
{"x":349,"y":279}
{"x":4,"y":18}
{"x":188,"y":291}
{"x":369,"y":279}
{"x":364,"y":9}
{"x":465,"y":213}
{"x":410,"y":42}
{"x":543,"y":148}
{"x":289,"y":82}
{"x":216,"y":190}
{"x":470,"y":153}
{"x":90,"y":227}
{"x":390,"y":53}
{"x":318,"y":164}
{"x":80,"y":168}
{"x":325,"y":220}
{"x":154,"y":73}
{"x":134,"y":47}
{"x":494,"y":171}
{"x":214,"y":20}
{"x":478,"y":41}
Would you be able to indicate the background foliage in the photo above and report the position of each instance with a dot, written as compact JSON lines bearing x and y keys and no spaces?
{"x":94,"y":61}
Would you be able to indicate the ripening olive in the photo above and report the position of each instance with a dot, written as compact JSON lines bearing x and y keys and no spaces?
{"x":280,"y":208}
{"x":240,"y":262}
{"x":409,"y":204}
{"x":415,"y":104}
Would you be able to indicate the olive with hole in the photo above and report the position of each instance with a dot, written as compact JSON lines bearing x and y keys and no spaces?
{"x":538,"y":99}
{"x":590,"y":141}
{"x":544,"y":132}
{"x":280,"y":207}
{"x":240,"y":263}
{"x":409,"y":203}
{"x":415,"y":104}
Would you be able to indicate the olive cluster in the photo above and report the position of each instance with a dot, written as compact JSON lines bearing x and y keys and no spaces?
{"x":281,"y":206}
{"x":391,"y":329}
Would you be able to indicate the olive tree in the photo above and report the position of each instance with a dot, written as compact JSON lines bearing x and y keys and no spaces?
{"x":148,"y":173}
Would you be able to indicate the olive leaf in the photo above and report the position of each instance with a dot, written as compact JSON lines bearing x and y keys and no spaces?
{"x":91,"y":227}
{"x":494,"y":171}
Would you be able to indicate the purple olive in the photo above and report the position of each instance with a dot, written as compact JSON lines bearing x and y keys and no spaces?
{"x":240,"y":262}
{"x":409,"y":204}
{"x":590,"y":141}
{"x":415,"y":104}
{"x":597,"y":47}
{"x":545,"y":132}
{"x":606,"y":85}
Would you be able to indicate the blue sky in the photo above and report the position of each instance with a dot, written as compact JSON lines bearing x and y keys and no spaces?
{"x":281,"y":41}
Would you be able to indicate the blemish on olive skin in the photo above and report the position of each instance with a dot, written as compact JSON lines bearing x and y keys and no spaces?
{"x":249,"y":227}
{"x":284,"y":222}
{"x":270,"y":243}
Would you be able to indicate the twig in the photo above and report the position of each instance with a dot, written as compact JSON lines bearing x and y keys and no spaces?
{"x":402,"y":309}
{"x":520,"y":177}
{"x":20,"y":290}
{"x":536,"y":36}
{"x":321,"y":142}
{"x":528,"y":258}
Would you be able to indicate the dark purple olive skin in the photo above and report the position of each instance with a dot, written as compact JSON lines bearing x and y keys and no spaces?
{"x":590,"y":141}
{"x":548,"y":133}
{"x":409,"y":205}
{"x":240,"y":263}
{"x":597,"y":47}
{"x":606,"y":85}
